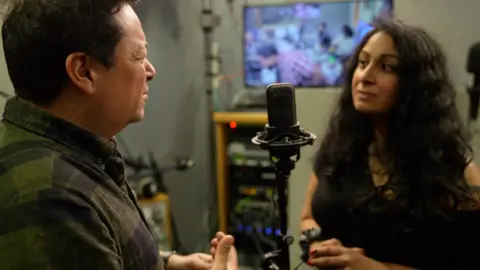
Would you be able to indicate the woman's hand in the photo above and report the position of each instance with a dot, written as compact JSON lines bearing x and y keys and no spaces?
{"x":331,"y":242}
{"x":331,"y":254}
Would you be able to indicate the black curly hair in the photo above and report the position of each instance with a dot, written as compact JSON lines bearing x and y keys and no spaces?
{"x":427,"y":141}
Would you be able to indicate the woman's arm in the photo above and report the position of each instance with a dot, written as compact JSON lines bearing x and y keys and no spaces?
{"x":307,"y":221}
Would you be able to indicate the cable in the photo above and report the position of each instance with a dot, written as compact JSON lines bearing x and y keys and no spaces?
{"x":301,"y":263}
{"x":250,"y":215}
{"x":242,"y":203}
{"x":267,"y":241}
{"x":298,"y":265}
{"x":250,"y":235}
{"x":274,"y":205}
{"x":256,"y":243}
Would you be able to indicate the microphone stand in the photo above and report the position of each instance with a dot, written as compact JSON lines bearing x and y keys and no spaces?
{"x":284,"y":149}
{"x":280,"y":259}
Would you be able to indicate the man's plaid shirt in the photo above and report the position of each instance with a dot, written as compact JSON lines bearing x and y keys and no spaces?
{"x":64,"y":200}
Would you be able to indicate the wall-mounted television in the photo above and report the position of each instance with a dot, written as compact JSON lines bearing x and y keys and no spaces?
{"x":305,"y":44}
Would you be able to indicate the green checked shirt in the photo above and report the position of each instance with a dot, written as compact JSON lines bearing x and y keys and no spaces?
{"x":64,"y":200}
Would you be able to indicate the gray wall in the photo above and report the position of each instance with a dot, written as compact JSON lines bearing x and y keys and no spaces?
{"x":176,"y":115}
{"x":5,"y":84}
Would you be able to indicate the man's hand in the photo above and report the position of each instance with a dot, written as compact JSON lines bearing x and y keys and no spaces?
{"x":332,"y":254}
{"x":225,"y":256}
{"x":196,"y":261}
{"x":223,"y":252}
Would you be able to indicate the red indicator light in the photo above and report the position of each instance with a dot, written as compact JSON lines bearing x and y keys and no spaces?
{"x":233,"y":124}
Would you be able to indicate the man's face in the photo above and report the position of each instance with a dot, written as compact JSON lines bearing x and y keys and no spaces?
{"x":321,"y":28}
{"x":122,"y":90}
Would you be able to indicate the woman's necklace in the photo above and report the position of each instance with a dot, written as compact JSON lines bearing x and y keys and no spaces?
{"x":378,"y":168}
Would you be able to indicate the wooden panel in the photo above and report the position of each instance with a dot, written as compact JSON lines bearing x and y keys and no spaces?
{"x":254,"y":118}
{"x":222,"y":183}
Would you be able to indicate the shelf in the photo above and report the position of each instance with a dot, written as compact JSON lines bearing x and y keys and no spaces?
{"x":253,"y":118}
{"x":160,"y":197}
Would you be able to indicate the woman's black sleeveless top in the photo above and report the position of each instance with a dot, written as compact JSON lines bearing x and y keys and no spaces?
{"x":359,"y":214}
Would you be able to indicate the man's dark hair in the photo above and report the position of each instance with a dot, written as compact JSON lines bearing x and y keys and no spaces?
{"x":38,"y":35}
{"x":347,"y":31}
{"x":427,"y":143}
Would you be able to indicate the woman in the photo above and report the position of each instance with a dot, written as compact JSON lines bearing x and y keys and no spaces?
{"x":393,"y":184}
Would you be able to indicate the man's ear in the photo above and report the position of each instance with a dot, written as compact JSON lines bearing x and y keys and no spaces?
{"x":79,"y":68}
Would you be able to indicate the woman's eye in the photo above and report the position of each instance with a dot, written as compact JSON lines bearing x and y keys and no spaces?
{"x":362,"y":63}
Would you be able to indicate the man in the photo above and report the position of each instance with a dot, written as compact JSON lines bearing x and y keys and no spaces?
{"x":267,"y":54}
{"x":80,"y":71}
{"x":323,"y":32}
{"x":294,"y":65}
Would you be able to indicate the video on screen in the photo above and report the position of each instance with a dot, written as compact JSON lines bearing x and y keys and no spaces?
{"x":305,"y":44}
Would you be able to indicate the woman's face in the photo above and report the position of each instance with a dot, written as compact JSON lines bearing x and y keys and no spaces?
{"x":375,"y":80}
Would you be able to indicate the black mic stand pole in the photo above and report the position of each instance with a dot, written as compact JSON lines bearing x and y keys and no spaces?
{"x":284,"y":150}
{"x":280,"y":258}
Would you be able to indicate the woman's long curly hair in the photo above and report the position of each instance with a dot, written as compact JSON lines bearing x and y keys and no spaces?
{"x":427,"y":141}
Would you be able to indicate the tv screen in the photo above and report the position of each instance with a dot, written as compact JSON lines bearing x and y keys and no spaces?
{"x":305,"y":44}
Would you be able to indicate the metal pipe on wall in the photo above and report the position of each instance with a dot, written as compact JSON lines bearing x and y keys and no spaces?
{"x":209,"y":20}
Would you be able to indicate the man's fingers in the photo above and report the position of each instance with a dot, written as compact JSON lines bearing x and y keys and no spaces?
{"x":214,"y":242}
{"x":222,"y":252}
{"x":203,"y":262}
{"x":219,"y":235}
{"x":206,"y":258}
{"x":212,"y":252}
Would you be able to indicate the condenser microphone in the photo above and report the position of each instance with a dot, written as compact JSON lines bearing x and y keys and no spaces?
{"x":281,"y":107}
{"x":282,"y":134}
